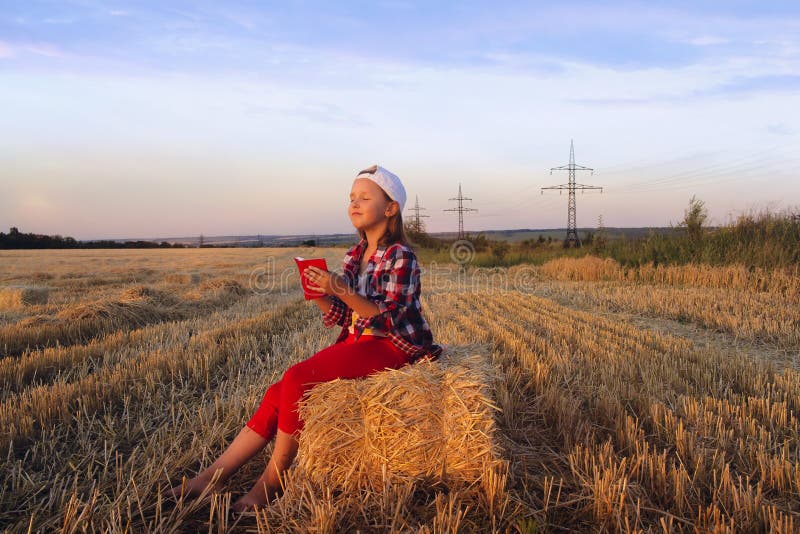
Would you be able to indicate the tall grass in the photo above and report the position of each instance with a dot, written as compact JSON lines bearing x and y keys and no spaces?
{"x":764,"y":239}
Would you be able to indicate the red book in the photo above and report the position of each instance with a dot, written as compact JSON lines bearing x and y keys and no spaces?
{"x":302,"y":263}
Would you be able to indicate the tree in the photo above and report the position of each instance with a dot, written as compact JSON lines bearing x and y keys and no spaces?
{"x":500,"y":249}
{"x":601,"y":237}
{"x":694,"y":218}
{"x":418,"y":236}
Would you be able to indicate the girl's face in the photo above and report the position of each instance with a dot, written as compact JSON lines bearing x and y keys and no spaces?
{"x":369,"y":207}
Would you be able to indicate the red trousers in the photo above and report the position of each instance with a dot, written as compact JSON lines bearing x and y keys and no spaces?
{"x":347,"y":359}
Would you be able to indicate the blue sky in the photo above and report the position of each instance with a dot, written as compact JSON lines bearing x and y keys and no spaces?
{"x":180,"y":118}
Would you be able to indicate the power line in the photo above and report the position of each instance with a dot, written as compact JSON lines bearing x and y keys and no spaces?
{"x":460,"y":209}
{"x":751,"y":174}
{"x":524,"y":203}
{"x":690,"y":177}
{"x":572,"y":229}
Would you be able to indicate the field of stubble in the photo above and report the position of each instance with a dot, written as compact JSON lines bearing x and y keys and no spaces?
{"x":659,"y":399}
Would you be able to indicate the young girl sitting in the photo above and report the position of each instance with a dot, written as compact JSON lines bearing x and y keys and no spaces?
{"x":376,"y":301}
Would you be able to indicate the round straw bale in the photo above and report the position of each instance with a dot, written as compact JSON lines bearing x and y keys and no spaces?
{"x":20,"y":296}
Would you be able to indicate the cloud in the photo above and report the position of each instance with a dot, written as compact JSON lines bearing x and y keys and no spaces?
{"x":44,"y":49}
{"x":59,"y":20}
{"x":6,"y":51}
{"x":779,"y":128}
{"x":735,"y":86}
{"x":755,"y":84}
{"x":242,"y":20}
{"x":708,"y":40}
{"x":10,"y":50}
{"x":320,"y":113}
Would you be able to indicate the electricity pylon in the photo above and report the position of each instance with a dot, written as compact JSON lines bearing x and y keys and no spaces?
{"x":460,"y":209}
{"x":572,"y":229}
{"x":417,"y":223}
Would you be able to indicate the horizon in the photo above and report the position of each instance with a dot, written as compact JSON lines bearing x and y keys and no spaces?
{"x":354,"y":234}
{"x":242,"y":119}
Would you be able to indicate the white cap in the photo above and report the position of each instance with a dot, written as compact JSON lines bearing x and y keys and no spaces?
{"x":388,"y":181}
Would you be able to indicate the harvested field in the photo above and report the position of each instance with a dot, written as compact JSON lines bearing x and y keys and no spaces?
{"x":566,"y":402}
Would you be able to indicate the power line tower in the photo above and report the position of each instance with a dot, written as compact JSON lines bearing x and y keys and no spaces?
{"x":572,"y":229}
{"x":460,"y":209}
{"x":416,"y":222}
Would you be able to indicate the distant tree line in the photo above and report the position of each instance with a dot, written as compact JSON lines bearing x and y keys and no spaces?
{"x":15,"y":239}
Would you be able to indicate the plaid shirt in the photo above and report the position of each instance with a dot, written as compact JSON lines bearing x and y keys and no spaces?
{"x":393,"y":284}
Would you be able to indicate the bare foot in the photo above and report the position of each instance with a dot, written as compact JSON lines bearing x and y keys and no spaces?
{"x":255,"y":498}
{"x":194,"y":487}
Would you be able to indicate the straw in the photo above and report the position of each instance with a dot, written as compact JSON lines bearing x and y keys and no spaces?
{"x":368,"y":442}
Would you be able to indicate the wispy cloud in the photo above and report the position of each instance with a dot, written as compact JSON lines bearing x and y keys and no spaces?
{"x":708,"y":40}
{"x":780,"y":129}
{"x":5,"y":50}
{"x":17,"y":49}
{"x":322,"y":113}
{"x":747,"y":85}
{"x":59,"y":20}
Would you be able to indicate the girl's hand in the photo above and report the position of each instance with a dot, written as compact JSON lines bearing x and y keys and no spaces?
{"x":324,"y":281}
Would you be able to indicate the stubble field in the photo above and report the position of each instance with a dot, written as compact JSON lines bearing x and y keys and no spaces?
{"x":655,"y":399}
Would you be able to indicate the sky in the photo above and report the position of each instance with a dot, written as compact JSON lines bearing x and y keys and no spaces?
{"x":166,"y":119}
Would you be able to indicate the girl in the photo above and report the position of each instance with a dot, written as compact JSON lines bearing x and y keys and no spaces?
{"x":375,"y":301}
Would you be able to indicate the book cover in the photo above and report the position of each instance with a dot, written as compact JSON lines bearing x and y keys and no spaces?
{"x":302,"y":263}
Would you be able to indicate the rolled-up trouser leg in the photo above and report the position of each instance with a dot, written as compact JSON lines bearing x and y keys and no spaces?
{"x":265,"y":419}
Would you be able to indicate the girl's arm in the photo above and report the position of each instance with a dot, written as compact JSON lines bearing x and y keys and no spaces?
{"x":333,"y":285}
{"x":361,"y":305}
{"x":339,"y":297}
{"x":338,"y":312}
{"x":323,"y":303}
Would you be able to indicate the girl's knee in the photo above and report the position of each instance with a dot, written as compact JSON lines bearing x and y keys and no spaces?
{"x":294,"y":375}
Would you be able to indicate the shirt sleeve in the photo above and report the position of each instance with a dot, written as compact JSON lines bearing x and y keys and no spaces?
{"x":336,"y":314}
{"x":397,"y":287}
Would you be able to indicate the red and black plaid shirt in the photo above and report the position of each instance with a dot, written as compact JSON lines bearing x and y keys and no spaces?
{"x":393,"y":284}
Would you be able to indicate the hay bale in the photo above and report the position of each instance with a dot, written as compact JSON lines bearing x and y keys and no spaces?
{"x":136,"y":293}
{"x":135,"y":306}
{"x":219,"y":289}
{"x":222,"y":284}
{"x":430,"y":422}
{"x":20,"y":296}
{"x":399,"y":451}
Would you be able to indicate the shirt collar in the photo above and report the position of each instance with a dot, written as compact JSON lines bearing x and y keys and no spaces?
{"x":361,"y":247}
